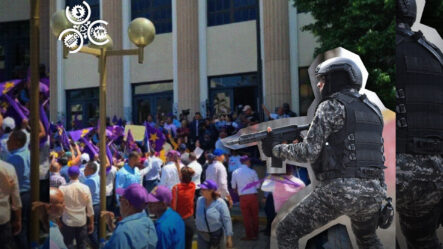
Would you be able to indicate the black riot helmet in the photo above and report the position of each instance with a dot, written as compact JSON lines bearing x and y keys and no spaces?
{"x":406,"y":11}
{"x":339,"y":73}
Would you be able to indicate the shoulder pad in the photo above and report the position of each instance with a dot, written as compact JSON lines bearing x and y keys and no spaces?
{"x":418,"y":36}
{"x":343,"y":98}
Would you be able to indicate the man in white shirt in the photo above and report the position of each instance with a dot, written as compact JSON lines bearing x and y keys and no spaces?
{"x":78,"y":217}
{"x":217,"y":172}
{"x":151,"y":172}
{"x":170,"y":173}
{"x":9,"y":202}
{"x":197,"y":172}
{"x":248,"y":197}
{"x":110,"y":179}
{"x":8,"y":125}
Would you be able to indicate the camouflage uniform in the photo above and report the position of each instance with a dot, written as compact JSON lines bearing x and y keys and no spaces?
{"x":360,"y":199}
{"x":420,"y":198}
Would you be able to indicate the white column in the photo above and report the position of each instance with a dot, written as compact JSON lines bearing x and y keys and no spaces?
{"x":262,"y":52}
{"x":61,"y":99}
{"x":293,"y":51}
{"x":174,"y":57}
{"x":127,"y":103}
{"x":202,"y":26}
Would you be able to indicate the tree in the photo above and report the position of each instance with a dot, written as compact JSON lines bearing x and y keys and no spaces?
{"x":365,"y":27}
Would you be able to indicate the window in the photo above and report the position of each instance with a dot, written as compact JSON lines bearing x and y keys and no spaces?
{"x":231,"y":92}
{"x":14,"y":50}
{"x":158,"y":11}
{"x":153,"y":99}
{"x":306,"y":93}
{"x":82,"y":107}
{"x":94,"y":4}
{"x":230,"y":11}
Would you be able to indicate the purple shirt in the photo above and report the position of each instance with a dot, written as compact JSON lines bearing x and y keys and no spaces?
{"x":56,"y":180}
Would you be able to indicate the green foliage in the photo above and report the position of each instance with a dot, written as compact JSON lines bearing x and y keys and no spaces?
{"x":365,"y":27}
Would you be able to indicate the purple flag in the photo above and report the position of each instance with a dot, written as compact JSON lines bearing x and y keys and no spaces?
{"x":44,"y":89}
{"x":280,"y":179}
{"x":7,"y":86}
{"x":77,"y":134}
{"x":156,"y":137}
{"x":14,"y":110}
{"x":62,"y":136}
{"x":120,"y":122}
{"x":44,"y":120}
{"x":109,"y":155}
{"x":89,"y":148}
{"x":131,"y":145}
{"x":45,"y":81}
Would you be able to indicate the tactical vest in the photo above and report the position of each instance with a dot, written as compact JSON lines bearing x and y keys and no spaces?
{"x":356,"y":151}
{"x":419,"y":109}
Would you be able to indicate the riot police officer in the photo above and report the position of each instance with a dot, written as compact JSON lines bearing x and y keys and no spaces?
{"x":345,"y":148}
{"x":419,"y":132}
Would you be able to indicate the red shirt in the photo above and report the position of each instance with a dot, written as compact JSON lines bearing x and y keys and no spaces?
{"x":183,"y":199}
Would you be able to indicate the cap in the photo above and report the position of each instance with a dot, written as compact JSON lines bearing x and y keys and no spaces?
{"x":160,"y":194}
{"x":218,"y":152}
{"x":208,"y":184}
{"x":211,"y":156}
{"x":244,"y":158}
{"x":173,"y":153}
{"x":8,"y":122}
{"x":85,"y":158}
{"x":73,"y":171}
{"x":136,"y":195}
{"x":182,"y":147}
{"x":246,"y":107}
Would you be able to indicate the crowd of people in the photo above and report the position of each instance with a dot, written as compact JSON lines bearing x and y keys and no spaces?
{"x":158,"y":197}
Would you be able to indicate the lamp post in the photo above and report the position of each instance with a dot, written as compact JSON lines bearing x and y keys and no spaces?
{"x":141,"y":32}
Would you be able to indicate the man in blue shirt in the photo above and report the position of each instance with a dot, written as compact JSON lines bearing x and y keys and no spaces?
{"x":92,"y":180}
{"x":20,"y":158}
{"x":169,"y":225}
{"x":63,"y":161}
{"x":129,"y":174}
{"x":136,"y":229}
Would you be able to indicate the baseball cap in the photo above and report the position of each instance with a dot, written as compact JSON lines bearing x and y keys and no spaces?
{"x":208,"y":184}
{"x":246,"y":107}
{"x":160,"y":194}
{"x":244,"y":158}
{"x":173,"y":153}
{"x":85,"y":158}
{"x":211,"y":156}
{"x":8,"y":122}
{"x":182,"y":147}
{"x":136,"y":195}
{"x":73,"y":171}
{"x":218,"y":152}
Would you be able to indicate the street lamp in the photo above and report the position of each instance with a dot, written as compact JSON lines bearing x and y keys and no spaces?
{"x":141,"y":32}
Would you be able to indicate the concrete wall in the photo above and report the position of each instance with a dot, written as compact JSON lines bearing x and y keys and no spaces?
{"x":306,"y":40}
{"x":158,"y":63}
{"x":14,"y":10}
{"x":231,"y":48}
{"x":80,"y":71}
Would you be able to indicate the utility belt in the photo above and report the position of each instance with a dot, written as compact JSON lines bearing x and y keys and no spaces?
{"x":417,"y":145}
{"x":360,"y":172}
